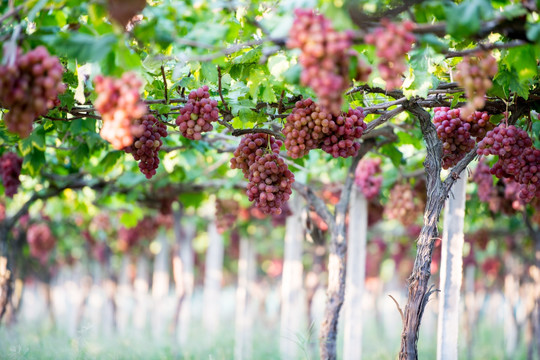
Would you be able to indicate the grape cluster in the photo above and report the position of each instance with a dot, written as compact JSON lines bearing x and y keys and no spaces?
{"x":518,"y":159}
{"x":480,"y":124}
{"x":393,"y":42}
{"x":145,"y":148}
{"x":350,"y":126}
{"x":198,"y":114}
{"x":309,"y":127}
{"x":281,"y":219}
{"x":145,"y":229}
{"x":455,"y":135}
{"x":484,"y":181}
{"x":119,"y":104}
{"x":10,"y":169}
{"x":325,"y":57}
{"x":29,"y":88}
{"x":251,"y":147}
{"x":41,"y":241}
{"x":2,"y":211}
{"x":226,"y":214}
{"x":405,"y":204}
{"x":270,"y":179}
{"x":365,"y":178}
{"x":270,"y":182}
{"x":474,"y":73}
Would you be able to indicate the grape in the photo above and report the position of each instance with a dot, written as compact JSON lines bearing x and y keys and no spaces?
{"x":145,"y":148}
{"x":350,"y":126}
{"x":491,"y":267}
{"x":455,"y":135}
{"x":480,"y":124}
{"x":29,"y":88}
{"x":308,"y":127}
{"x":41,"y":241}
{"x":119,"y":104}
{"x":226,"y":214}
{"x":474,"y":73}
{"x":484,"y":181}
{"x":365,"y":178}
{"x":146,"y":229}
{"x":2,"y":211}
{"x":281,"y":219}
{"x":270,"y":182}
{"x":10,"y":169}
{"x":405,"y":204}
{"x":250,"y":148}
{"x":305,"y":128}
{"x":518,"y":159}
{"x":325,"y":57}
{"x":198,"y":114}
{"x":393,"y":42}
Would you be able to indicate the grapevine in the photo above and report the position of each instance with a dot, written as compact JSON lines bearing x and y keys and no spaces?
{"x":10,"y":170}
{"x":198,"y":114}
{"x":119,"y":104}
{"x":145,"y":148}
{"x":393,"y":42}
{"x":29,"y":88}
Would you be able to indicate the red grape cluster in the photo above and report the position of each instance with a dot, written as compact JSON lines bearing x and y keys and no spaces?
{"x":29,"y":88}
{"x":2,"y":211}
{"x":308,"y":127}
{"x":393,"y":42}
{"x":226,"y":214}
{"x":341,"y":142}
{"x":10,"y":169}
{"x":474,"y":73}
{"x":325,"y":57}
{"x":251,"y":147}
{"x":480,"y":124}
{"x":145,"y":229}
{"x":198,"y":114}
{"x":484,"y":181}
{"x":518,"y":159}
{"x":455,"y":135}
{"x":281,"y":219}
{"x":404,"y":204}
{"x":145,"y":148}
{"x":365,"y":178}
{"x":119,"y":104}
{"x":270,"y":179}
{"x":41,"y":241}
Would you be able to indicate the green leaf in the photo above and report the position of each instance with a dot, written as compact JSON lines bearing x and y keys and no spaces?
{"x":209,"y":72}
{"x":34,"y":161}
{"x":252,"y":56}
{"x":110,"y":160}
{"x":464,"y":19}
{"x":533,"y":32}
{"x":131,"y":219}
{"x":80,"y":154}
{"x":393,"y":153}
{"x":84,"y":48}
{"x":523,"y":61}
{"x":192,"y":199}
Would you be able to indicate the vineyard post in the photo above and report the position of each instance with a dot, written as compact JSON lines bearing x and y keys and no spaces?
{"x":244,"y":300}
{"x":212,"y":280}
{"x":356,"y":271}
{"x":160,"y":283}
{"x":451,"y":272}
{"x":291,"y":283}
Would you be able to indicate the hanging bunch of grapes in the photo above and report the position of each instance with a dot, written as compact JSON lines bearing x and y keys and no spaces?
{"x":459,"y":133}
{"x":41,"y":241}
{"x":474,"y":74}
{"x":325,"y":57}
{"x":120,"y":105}
{"x":10,"y":170}
{"x":405,"y":204}
{"x":309,"y":127}
{"x":269,"y":178}
{"x":518,"y":159}
{"x":145,"y":148}
{"x":484,"y":181}
{"x":29,"y":88}
{"x":226,"y":214}
{"x":393,"y":42}
{"x":366,"y":179}
{"x":198,"y":114}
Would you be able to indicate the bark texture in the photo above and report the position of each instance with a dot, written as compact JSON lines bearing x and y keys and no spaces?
{"x":437,"y":191}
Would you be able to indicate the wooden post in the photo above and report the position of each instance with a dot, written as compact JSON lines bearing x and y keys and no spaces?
{"x":212,"y":281}
{"x":160,"y":284}
{"x":355,"y":277}
{"x":451,"y":272}
{"x":291,"y":283}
